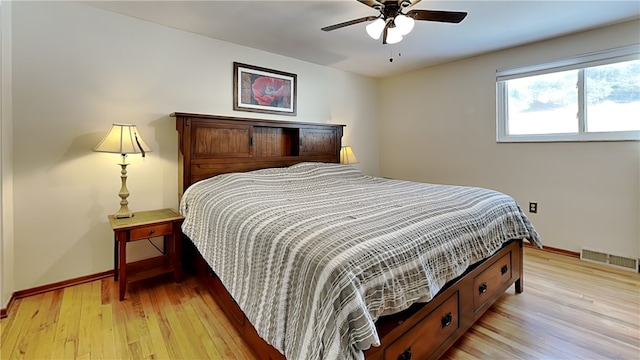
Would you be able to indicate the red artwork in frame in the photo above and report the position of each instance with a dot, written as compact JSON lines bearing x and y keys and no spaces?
{"x":263,"y":90}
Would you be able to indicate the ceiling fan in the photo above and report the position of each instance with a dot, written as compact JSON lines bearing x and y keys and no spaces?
{"x":393,"y":22}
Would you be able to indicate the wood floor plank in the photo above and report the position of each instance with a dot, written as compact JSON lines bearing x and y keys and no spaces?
{"x":31,"y":329}
{"x":155,"y":334}
{"x":107,"y":332}
{"x":119,"y":324}
{"x":43,"y":331}
{"x":202,"y":336}
{"x":505,"y":331}
{"x":225,"y":329}
{"x":182,"y":330}
{"x":13,"y":331}
{"x":89,"y":313}
{"x":222,"y":340}
{"x":570,"y":309}
{"x":93,"y":310}
{"x":66,"y":330}
{"x":159,"y":302}
{"x":141,"y":325}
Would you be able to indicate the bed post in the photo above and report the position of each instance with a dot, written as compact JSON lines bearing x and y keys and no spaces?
{"x":520,"y":282}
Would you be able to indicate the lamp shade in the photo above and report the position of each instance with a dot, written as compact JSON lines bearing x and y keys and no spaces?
{"x":122,"y":139}
{"x":375,"y":28}
{"x":347,"y":156}
{"x":404,"y":24}
{"x":393,"y":35}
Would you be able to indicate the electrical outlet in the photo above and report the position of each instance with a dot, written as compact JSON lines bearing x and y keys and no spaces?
{"x":533,"y":207}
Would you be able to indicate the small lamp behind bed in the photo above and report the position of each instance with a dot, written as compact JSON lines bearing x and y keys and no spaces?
{"x":123,"y":139}
{"x":347,"y":156}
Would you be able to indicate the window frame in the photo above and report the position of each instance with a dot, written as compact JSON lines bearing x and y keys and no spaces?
{"x":580,"y":62}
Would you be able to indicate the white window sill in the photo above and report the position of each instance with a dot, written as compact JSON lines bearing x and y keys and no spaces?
{"x":601,"y":136}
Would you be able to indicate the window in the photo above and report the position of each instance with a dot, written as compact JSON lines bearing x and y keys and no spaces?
{"x":593,"y":97}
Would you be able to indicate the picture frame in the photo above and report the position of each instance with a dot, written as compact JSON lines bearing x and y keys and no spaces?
{"x":263,"y":90}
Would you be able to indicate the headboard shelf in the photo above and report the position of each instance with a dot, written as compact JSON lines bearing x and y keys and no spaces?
{"x":211,"y":145}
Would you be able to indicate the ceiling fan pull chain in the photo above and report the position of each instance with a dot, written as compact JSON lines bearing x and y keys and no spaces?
{"x":391,"y":54}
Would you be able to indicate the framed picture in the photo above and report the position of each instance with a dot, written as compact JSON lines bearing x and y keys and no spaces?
{"x":263,"y":90}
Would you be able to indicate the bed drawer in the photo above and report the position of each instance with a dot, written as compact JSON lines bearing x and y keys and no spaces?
{"x":428,"y":334}
{"x":151,"y":231}
{"x":490,"y":282}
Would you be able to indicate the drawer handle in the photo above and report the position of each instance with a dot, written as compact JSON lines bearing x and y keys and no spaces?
{"x":406,"y":355}
{"x":504,"y":269}
{"x":151,"y":232}
{"x":482,"y":288}
{"x":446,"y":320}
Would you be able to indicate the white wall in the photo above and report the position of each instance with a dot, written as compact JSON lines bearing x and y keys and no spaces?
{"x":442,"y":130}
{"x":77,"y":69}
{"x":6,"y":184}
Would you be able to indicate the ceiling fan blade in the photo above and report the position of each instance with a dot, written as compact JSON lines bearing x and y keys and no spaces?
{"x":347,"y":23}
{"x":372,"y":4}
{"x":441,"y":16}
{"x":413,"y":2}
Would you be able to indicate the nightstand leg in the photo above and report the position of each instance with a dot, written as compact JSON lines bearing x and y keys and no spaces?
{"x":123,"y":237}
{"x":175,"y":251}
{"x":115,"y":257}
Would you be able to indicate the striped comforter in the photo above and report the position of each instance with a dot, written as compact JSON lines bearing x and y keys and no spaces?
{"x":315,"y":253}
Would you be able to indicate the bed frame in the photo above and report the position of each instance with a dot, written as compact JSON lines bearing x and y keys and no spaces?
{"x":211,"y":145}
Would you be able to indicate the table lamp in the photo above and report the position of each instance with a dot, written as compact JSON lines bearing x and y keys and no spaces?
{"x":123,"y":139}
{"x":347,"y":156}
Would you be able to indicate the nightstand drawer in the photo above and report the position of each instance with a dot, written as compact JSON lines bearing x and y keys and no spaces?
{"x":151,"y":231}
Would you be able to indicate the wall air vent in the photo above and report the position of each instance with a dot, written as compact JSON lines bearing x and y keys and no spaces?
{"x":610,"y":259}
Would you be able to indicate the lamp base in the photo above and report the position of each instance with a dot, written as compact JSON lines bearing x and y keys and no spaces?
{"x":123,"y":216}
{"x":124,"y":212}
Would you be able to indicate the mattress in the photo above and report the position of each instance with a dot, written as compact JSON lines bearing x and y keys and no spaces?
{"x":315,"y":253}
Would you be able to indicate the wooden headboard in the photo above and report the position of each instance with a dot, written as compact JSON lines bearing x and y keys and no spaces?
{"x":210,"y":145}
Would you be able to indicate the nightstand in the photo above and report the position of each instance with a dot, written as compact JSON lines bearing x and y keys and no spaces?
{"x":144,"y":225}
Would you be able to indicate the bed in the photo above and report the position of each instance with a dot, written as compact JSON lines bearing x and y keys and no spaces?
{"x":316,"y":260}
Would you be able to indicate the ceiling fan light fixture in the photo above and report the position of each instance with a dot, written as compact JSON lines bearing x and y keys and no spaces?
{"x":393,"y":35}
{"x":404,"y":24}
{"x":375,"y":28}
{"x":393,"y":21}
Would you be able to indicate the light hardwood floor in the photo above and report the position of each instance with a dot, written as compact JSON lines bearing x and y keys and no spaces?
{"x":569,"y":310}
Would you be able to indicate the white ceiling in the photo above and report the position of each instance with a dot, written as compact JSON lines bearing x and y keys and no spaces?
{"x":292,"y":28}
